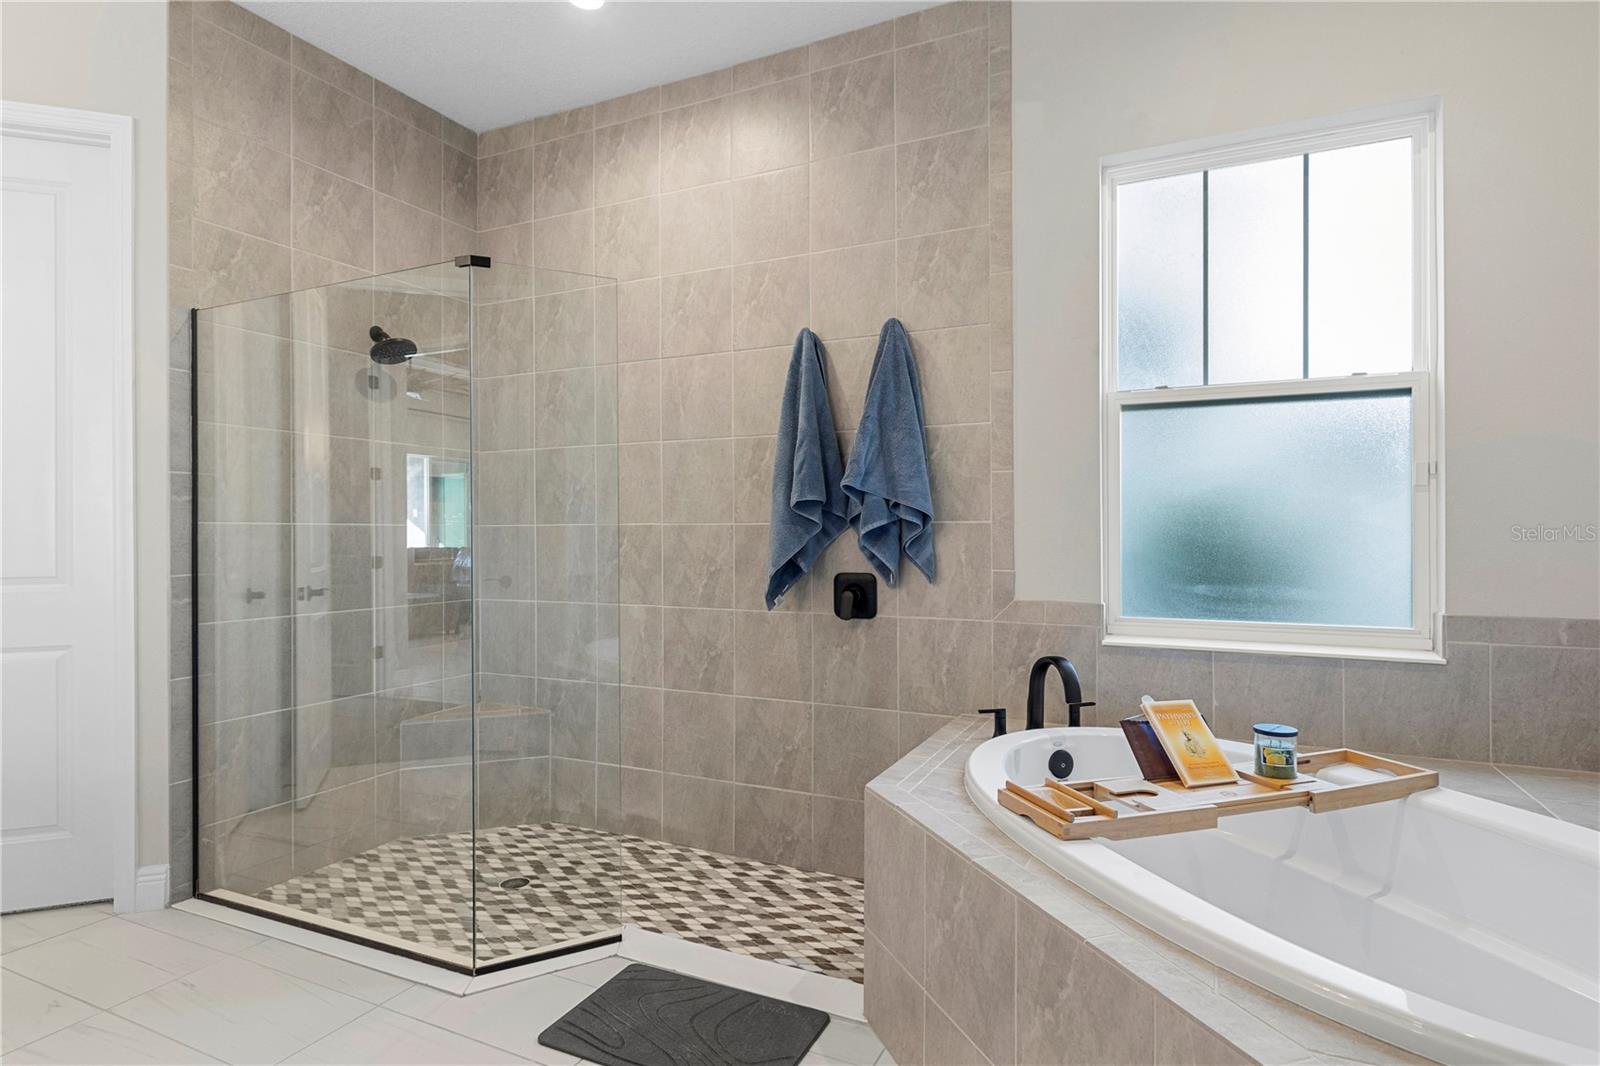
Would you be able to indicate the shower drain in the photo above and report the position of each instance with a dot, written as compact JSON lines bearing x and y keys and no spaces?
{"x":515,"y":882}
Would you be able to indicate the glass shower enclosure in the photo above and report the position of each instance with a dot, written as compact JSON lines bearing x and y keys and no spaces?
{"x":406,"y":625}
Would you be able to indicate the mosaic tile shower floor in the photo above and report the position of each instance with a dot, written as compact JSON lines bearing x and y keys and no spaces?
{"x":582,"y":882}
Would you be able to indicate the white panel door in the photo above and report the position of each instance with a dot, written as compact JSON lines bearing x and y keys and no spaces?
{"x":59,"y":699}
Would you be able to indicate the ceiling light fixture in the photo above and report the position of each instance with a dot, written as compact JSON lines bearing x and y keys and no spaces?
{"x":588,"y":5}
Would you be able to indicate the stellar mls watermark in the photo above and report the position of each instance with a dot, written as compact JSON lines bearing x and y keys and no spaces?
{"x":1567,"y":534}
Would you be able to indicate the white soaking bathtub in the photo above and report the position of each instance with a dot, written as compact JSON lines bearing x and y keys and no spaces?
{"x":1458,"y":928}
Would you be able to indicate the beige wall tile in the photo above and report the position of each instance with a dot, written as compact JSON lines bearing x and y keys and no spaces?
{"x":697,"y":313}
{"x":769,"y":215}
{"x":942,"y":279}
{"x":697,"y":563}
{"x":1258,"y":688}
{"x":770,"y":127}
{"x":641,"y":636}
{"x":776,"y":67}
{"x":505,"y":188}
{"x":941,"y":86}
{"x":697,"y":812}
{"x":772,"y":652}
{"x":1402,"y":709}
{"x":404,"y":236}
{"x":696,"y":145}
{"x":460,"y":193}
{"x":1545,"y":706}
{"x":696,"y":397}
{"x":853,"y":745}
{"x":563,"y":335}
{"x":639,"y":483}
{"x":240,"y":87}
{"x":640,"y":564}
{"x":563,"y":124}
{"x":698,"y":88}
{"x":1067,"y":990}
{"x":398,"y":103}
{"x":854,"y":663}
{"x":940,"y":21}
{"x":641,"y":740}
{"x":564,"y":407}
{"x":853,"y":199}
{"x":947,"y":1045}
{"x":895,"y":887}
{"x":627,"y":160}
{"x":852,"y":290}
{"x":332,"y":217}
{"x":639,"y":401}
{"x":942,"y":182}
{"x":836,"y":833}
{"x":958,"y":461}
{"x":1000,"y":123}
{"x":696,"y":228}
{"x":504,"y":338}
{"x":1125,"y":674}
{"x":772,"y":825}
{"x":697,"y":734}
{"x":407,"y":163}
{"x":894,"y":1003}
{"x":333,"y":129}
{"x":506,"y":138}
{"x":564,"y":243}
{"x":772,"y":744}
{"x":563,"y":175}
{"x":946,"y":666}
{"x":698,"y":650}
{"x":564,"y":483}
{"x":624,"y":108}
{"x":962,"y":590}
{"x":852,"y":106}
{"x":758,"y":382}
{"x":639,"y":320}
{"x":953,"y":365}
{"x":752,"y":478}
{"x":627,"y":239}
{"x":771,"y":301}
{"x":972,"y":947}
{"x":695,"y":475}
{"x":240,"y":183}
{"x":1017,"y":646}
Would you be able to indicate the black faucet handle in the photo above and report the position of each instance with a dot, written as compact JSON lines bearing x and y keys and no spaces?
{"x":999,"y":719}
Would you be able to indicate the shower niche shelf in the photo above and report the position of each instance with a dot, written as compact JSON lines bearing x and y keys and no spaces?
{"x":1127,"y":807}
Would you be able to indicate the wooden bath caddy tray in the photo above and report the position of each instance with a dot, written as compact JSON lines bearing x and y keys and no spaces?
{"x":1124,"y":807}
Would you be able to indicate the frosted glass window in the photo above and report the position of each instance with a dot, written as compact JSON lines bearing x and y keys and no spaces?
{"x":1269,"y":510}
{"x":1255,"y":221}
{"x":1160,"y":282}
{"x":1360,"y":234}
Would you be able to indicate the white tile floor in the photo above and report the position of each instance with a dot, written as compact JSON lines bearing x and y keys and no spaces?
{"x":83,"y":985}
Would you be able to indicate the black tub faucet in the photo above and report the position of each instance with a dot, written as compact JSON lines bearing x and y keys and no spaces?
{"x":1071,"y":690}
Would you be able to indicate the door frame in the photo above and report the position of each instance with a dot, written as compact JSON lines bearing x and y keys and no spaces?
{"x":113,"y":134}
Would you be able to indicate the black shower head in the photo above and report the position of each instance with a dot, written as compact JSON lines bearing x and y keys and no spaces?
{"x":389,"y":350}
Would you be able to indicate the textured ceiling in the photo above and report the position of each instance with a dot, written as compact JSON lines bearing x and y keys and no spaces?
{"x":489,"y":64}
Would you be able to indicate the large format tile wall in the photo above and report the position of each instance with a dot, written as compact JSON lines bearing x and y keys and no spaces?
{"x":286,"y":169}
{"x":830,"y":186}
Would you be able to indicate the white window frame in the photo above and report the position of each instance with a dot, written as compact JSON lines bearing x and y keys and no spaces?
{"x":1423,"y":639}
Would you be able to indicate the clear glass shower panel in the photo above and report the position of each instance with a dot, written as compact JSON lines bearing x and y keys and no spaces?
{"x":334,"y":606}
{"x":550,"y":781}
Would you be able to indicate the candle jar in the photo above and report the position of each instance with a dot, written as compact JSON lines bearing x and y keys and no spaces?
{"x":1275,"y":750}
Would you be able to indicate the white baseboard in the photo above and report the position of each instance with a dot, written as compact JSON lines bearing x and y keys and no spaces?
{"x":832,"y":994}
{"x":149,"y":888}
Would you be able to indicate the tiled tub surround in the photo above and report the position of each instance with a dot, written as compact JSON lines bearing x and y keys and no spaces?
{"x":976,"y":954}
{"x":833,"y":186}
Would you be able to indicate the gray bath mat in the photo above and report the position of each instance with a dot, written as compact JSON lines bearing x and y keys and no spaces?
{"x":649,"y":1017}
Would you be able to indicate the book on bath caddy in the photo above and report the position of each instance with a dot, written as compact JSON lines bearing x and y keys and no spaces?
{"x":1188,"y":743}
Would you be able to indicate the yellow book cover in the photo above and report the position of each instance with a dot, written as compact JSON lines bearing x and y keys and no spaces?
{"x":1188,"y":742}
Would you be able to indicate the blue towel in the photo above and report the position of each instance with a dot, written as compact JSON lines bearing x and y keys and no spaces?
{"x":887,"y":479}
{"x":809,"y":509}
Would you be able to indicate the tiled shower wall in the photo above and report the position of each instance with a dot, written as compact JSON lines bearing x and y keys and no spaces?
{"x":286,"y":169}
{"x":830,"y":186}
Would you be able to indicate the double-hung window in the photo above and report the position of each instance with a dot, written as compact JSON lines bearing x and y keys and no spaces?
{"x":1271,"y":390}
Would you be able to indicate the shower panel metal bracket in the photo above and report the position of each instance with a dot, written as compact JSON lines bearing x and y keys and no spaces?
{"x":472,"y":261}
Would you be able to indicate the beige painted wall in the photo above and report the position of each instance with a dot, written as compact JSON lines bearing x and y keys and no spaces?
{"x":112,"y":57}
{"x":1521,"y":233}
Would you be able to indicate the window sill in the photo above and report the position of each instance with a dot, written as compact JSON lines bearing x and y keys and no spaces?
{"x":1245,"y":647}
